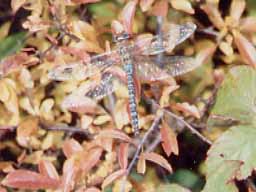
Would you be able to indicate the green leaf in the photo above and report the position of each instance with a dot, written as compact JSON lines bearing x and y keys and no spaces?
{"x":11,"y":44}
{"x":221,"y":178}
{"x":238,"y":143}
{"x":186,"y":178}
{"x":236,"y":98}
{"x":171,"y":187}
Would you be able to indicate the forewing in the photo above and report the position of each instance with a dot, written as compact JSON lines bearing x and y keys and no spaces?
{"x":80,"y":71}
{"x":172,"y":36}
{"x":104,"y":88}
{"x":150,"y":69}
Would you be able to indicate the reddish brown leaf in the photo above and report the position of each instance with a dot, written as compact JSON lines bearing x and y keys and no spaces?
{"x":79,"y":53}
{"x":47,"y":169}
{"x":123,"y":155}
{"x":127,"y":16}
{"x":70,"y":170}
{"x":145,"y":5}
{"x":24,"y":179}
{"x":187,"y":109}
{"x":71,"y":147}
{"x":160,"y":8}
{"x":90,"y":159}
{"x":113,"y":177}
{"x":169,"y":141}
{"x":248,"y":25}
{"x":158,"y":159}
{"x":2,"y":189}
{"x":92,"y":189}
{"x":115,"y":134}
{"x":214,"y":15}
{"x":245,"y":47}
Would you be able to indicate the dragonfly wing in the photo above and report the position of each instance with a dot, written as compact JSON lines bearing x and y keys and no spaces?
{"x":172,"y":36}
{"x":81,"y":71}
{"x":104,"y":88}
{"x":149,"y":68}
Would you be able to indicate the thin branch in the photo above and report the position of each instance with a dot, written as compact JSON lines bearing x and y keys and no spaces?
{"x":179,"y":118}
{"x":136,"y":155}
{"x":69,"y":129}
{"x":155,"y":143}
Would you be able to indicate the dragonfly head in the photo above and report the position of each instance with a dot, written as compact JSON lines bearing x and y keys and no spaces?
{"x":121,"y":37}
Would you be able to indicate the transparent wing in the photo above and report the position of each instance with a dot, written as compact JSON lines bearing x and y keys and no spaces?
{"x":172,"y":36}
{"x":80,"y":70}
{"x":149,"y":69}
{"x":104,"y":88}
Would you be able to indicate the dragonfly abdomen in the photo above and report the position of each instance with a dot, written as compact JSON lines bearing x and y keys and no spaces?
{"x":132,"y":101}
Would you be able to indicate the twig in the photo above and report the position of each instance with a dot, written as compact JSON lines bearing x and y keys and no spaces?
{"x":251,"y":184}
{"x":70,"y":129}
{"x":192,"y":129}
{"x":155,"y":143}
{"x":153,"y":126}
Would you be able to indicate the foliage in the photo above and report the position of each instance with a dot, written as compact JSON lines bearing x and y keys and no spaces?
{"x":196,"y":131}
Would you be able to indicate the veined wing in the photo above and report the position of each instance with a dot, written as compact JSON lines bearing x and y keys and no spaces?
{"x":81,"y":71}
{"x":172,"y":36}
{"x":149,"y":70}
{"x":104,"y":88}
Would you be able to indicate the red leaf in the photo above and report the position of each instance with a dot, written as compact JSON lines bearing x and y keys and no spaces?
{"x":115,"y":134}
{"x":70,"y":171}
{"x":24,"y":179}
{"x":246,"y":48}
{"x":158,"y":159}
{"x":169,"y":141}
{"x":127,"y":16}
{"x":123,"y":155}
{"x":90,"y":159}
{"x":160,"y":8}
{"x":113,"y":177}
{"x":187,"y":109}
{"x":92,"y":189}
{"x":2,"y":189}
{"x":71,"y":147}
{"x":47,"y":169}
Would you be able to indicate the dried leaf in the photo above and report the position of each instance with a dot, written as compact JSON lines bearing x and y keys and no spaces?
{"x":113,"y":177}
{"x":24,"y":179}
{"x":169,"y":140}
{"x":182,"y":5}
{"x":84,"y":1}
{"x":160,"y":8}
{"x":121,"y":114}
{"x":141,"y":165}
{"x":70,"y":171}
{"x":127,"y":15}
{"x":90,"y":159}
{"x":158,"y":159}
{"x":91,"y":189}
{"x":248,"y":25}
{"x":145,"y":5}
{"x":71,"y":147}
{"x":25,"y":130}
{"x":237,"y":9}
{"x":47,"y":169}
{"x":115,"y":134}
{"x":187,"y":109}
{"x":123,"y":155}
{"x":246,"y":48}
{"x":214,"y":15}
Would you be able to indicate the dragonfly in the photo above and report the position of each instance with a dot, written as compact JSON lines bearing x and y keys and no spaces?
{"x":138,"y":60}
